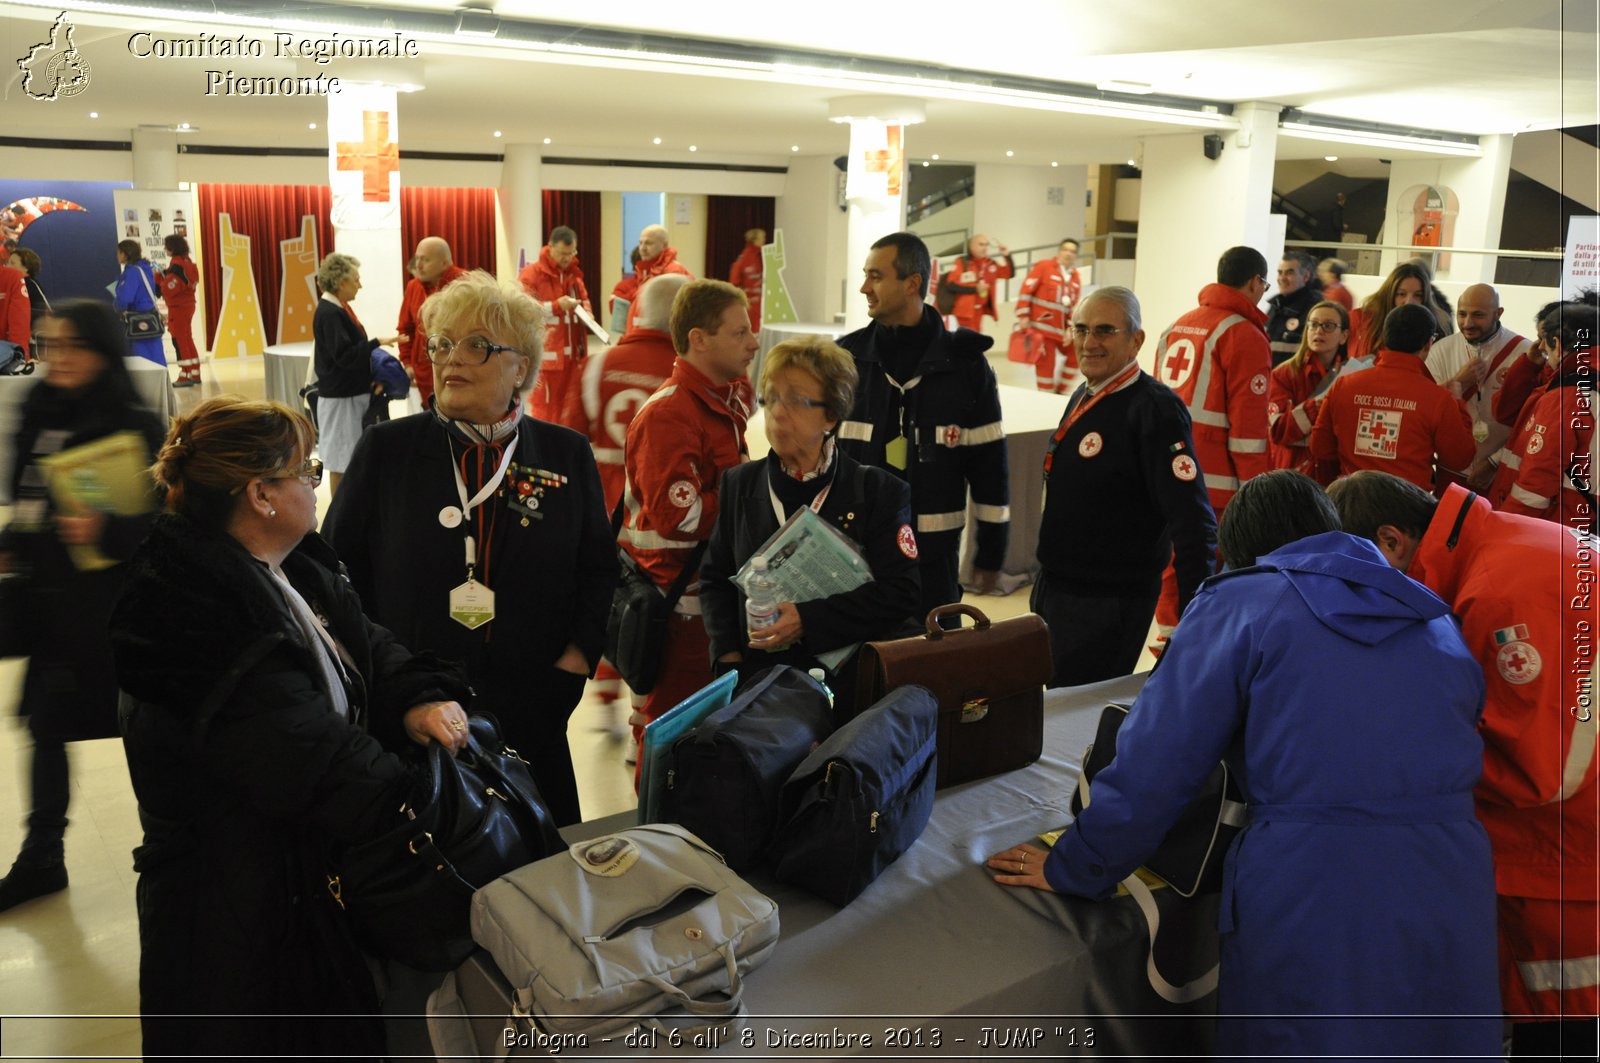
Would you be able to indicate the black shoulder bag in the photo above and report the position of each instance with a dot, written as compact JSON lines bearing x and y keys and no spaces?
{"x":637,"y":624}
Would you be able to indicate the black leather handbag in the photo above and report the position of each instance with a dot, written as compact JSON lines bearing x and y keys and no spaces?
{"x":471,"y":818}
{"x":636,"y":626}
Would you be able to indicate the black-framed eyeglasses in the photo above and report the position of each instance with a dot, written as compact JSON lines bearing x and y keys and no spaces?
{"x":309,"y":473}
{"x":792,"y":402}
{"x":474,"y":350}
{"x":1324,"y":326}
{"x":1099,"y":332}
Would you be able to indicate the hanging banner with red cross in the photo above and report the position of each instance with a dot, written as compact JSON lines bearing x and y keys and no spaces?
{"x":877,"y":161}
{"x":364,"y":157}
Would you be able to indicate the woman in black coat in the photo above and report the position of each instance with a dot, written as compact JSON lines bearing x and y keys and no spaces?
{"x":260,"y":712}
{"x":807,"y":387}
{"x":342,"y":357}
{"x":57,"y":613}
{"x":482,"y":534}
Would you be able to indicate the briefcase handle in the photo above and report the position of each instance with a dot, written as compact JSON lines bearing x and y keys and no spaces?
{"x":979,"y":621}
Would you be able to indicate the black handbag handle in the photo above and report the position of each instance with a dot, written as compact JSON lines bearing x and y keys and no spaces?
{"x":935,"y":632}
{"x":690,"y":567}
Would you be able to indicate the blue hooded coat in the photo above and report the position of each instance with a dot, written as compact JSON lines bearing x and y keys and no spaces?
{"x":136,"y":290}
{"x":1342,"y":695}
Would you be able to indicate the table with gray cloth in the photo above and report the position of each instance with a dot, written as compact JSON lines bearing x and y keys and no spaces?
{"x":149,"y":380}
{"x":935,"y":943}
{"x":287,"y":367}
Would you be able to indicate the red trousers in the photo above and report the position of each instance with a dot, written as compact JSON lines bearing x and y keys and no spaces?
{"x":180,"y":321}
{"x":685,"y":668}
{"x":1549,"y":958}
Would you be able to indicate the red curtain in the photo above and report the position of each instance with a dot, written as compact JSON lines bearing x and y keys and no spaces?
{"x":580,"y":212}
{"x":266,"y":214}
{"x":728,"y":218}
{"x":462,"y":217}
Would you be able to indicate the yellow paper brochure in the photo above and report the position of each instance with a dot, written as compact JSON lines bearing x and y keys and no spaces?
{"x":1050,"y":837}
{"x":110,"y":475}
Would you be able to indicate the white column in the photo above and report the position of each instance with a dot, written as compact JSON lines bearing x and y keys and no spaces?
{"x":1191,"y":209}
{"x":155,"y":158}
{"x":1474,"y":193}
{"x":522,"y":208}
{"x":876,"y":178}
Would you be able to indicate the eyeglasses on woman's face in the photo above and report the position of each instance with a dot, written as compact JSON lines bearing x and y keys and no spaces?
{"x":1324,"y":326}
{"x":792,"y":403}
{"x":309,"y":473}
{"x":474,"y":350}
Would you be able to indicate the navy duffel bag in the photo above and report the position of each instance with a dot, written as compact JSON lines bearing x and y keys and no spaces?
{"x":861,"y":799}
{"x":725,"y":776}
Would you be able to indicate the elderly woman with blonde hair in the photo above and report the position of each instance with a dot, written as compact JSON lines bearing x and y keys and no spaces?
{"x":482,"y":534}
{"x":807,"y":387}
{"x":342,"y":354}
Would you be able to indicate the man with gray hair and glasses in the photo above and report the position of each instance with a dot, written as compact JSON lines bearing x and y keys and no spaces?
{"x":1123,"y":495}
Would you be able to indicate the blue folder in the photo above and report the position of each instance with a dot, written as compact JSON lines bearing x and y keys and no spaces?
{"x":668,"y":728}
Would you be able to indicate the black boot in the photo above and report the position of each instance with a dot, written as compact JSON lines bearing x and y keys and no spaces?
{"x":24,"y":883}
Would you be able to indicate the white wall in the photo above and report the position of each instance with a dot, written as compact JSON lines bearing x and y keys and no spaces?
{"x":1013,"y":203}
{"x":814,"y":235}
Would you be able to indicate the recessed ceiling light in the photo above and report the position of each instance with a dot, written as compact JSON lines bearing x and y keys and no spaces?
{"x":925,"y":162}
{"x":1330,"y":158}
{"x":1054,"y":163}
{"x":1009,"y":154}
{"x":935,"y":156}
{"x":657,"y":140}
{"x":547,"y":140}
{"x":693,"y":148}
{"x":313,"y":125}
{"x":1132,"y":163}
{"x":794,"y":147}
{"x":183,"y":125}
{"x":94,"y":114}
{"x":497,"y":132}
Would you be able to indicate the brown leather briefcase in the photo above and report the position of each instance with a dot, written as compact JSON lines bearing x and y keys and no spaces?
{"x":989,"y":681}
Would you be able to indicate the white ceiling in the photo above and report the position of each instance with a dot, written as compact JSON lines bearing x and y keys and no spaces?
{"x":1472,"y":66}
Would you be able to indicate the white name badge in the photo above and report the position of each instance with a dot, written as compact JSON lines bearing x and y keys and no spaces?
{"x":472,"y":604}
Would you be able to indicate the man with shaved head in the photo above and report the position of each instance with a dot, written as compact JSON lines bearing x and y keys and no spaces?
{"x":432,"y":268}
{"x":655,"y":258}
{"x":1472,"y":363}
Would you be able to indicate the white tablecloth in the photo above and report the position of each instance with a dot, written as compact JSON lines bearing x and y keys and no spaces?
{"x":287,"y":367}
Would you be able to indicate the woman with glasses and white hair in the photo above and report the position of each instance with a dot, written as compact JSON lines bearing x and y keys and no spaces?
{"x":342,"y":356}
{"x":481,"y":533}
{"x":260,"y":717}
{"x":808,"y":387}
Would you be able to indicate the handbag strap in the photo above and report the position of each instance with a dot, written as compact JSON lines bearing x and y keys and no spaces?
{"x":690,"y":567}
{"x":1172,"y":994}
{"x":145,"y":277}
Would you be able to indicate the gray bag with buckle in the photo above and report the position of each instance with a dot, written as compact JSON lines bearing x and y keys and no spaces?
{"x":644,"y":924}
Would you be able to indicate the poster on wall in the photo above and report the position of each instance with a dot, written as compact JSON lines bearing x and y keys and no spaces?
{"x":1580,"y":266}
{"x":67,"y":223}
{"x":150,"y":217}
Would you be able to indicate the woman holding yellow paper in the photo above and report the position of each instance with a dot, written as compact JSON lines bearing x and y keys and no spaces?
{"x":70,"y":693}
{"x":807,"y":388}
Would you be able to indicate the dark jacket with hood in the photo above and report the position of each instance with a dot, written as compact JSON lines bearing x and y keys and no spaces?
{"x":248,"y":780}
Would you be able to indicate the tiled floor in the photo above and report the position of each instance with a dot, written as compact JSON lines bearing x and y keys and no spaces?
{"x":69,"y":962}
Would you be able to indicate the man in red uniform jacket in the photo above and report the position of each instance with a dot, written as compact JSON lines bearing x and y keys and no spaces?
{"x":432,"y":269}
{"x":1523,"y":592}
{"x":616,"y":382}
{"x":748,"y":273}
{"x":1391,"y":417}
{"x":1547,"y":469}
{"x":16,"y":315}
{"x":971,"y":282}
{"x":1217,"y":359}
{"x":655,"y":258}
{"x":1044,"y":314}
{"x":556,"y":280}
{"x":685,"y":436}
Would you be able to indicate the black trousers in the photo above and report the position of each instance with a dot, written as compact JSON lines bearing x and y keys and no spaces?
{"x":1093,"y":637}
{"x":537,"y":729}
{"x":50,"y":791}
{"x":941,"y":584}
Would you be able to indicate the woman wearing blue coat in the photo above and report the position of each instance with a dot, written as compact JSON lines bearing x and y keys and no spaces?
{"x":1357,"y":913}
{"x":136,"y":291}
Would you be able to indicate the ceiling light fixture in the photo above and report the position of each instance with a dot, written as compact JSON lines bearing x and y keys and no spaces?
{"x":794,"y":147}
{"x":657,"y":140}
{"x":1330,"y":158}
{"x":1298,"y":124}
{"x":94,"y":114}
{"x":936,"y":156}
{"x":497,"y":132}
{"x":313,"y":125}
{"x":693,"y":147}
{"x":547,"y":140}
{"x":1132,"y":88}
{"x":477,"y":22}
{"x":1054,"y":163}
{"x":1009,"y":154}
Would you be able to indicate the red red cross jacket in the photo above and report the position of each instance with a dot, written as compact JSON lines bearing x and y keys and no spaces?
{"x":628,"y":287}
{"x":746,"y":275}
{"x":683,"y":439}
{"x":16,"y":315}
{"x":566,"y":339}
{"x":415,"y":351}
{"x":1293,"y":402}
{"x":1394,"y":419}
{"x":1217,"y":359}
{"x":964,"y":279}
{"x":177,"y":288}
{"x":1049,"y":295}
{"x":614,"y":386}
{"x":1550,"y":456}
{"x":1523,"y":592}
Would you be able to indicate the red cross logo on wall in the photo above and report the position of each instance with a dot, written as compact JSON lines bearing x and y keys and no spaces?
{"x":890,"y":161}
{"x":376,"y":156}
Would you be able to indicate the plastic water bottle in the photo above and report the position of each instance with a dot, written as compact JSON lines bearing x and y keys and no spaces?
{"x":760,"y":597}
{"x":822,"y":681}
